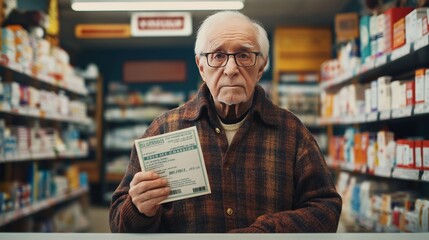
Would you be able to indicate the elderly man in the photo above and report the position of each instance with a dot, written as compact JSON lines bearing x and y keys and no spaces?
{"x":266,"y":172}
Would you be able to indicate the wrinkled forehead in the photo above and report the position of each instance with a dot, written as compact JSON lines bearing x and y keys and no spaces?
{"x":236,"y":33}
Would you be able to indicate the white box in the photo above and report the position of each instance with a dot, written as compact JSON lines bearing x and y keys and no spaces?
{"x":373,"y":34}
{"x":398,"y":99}
{"x":383,"y":139}
{"x":402,"y":97}
{"x":426,"y":92}
{"x":368,"y":100}
{"x":381,"y":26}
{"x":411,"y":27}
{"x":356,"y":95}
{"x":395,"y":91}
{"x":384,"y":93}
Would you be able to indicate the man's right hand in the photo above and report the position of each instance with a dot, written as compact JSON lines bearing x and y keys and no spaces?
{"x":147,"y":190}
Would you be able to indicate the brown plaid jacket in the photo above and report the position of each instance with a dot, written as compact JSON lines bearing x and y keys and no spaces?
{"x":272,"y":178}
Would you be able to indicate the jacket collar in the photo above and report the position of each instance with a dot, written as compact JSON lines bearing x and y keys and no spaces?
{"x":262,"y":107}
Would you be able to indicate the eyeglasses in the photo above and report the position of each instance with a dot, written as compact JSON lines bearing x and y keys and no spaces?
{"x":220,"y":59}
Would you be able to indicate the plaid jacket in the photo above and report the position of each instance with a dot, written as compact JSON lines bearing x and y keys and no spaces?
{"x":271,"y":179}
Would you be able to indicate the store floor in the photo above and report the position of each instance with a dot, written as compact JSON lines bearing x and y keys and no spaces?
{"x":99,"y":220}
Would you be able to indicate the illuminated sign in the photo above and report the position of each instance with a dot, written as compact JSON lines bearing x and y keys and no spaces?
{"x":161,"y":24}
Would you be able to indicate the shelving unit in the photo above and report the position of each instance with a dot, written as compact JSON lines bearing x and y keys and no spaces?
{"x":94,"y":163}
{"x":51,"y":171}
{"x":405,"y":122}
{"x":398,"y":63}
{"x":126,"y":117}
{"x":10,"y":217}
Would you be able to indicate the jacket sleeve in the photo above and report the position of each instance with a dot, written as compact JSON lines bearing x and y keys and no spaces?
{"x":317,"y":205}
{"x":123,"y":215}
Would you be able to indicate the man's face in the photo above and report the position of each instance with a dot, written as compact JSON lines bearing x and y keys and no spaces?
{"x":231,"y":84}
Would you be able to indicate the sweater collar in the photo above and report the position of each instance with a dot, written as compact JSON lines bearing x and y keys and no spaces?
{"x":262,"y":108}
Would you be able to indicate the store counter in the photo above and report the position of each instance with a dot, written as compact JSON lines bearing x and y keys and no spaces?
{"x":301,"y":236}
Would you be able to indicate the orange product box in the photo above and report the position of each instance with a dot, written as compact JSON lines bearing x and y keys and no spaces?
{"x":392,"y":15}
{"x":409,"y":93}
{"x":332,"y":150}
{"x":364,"y":147}
{"x":419,"y":88}
{"x":357,"y":149}
{"x":399,"y":33}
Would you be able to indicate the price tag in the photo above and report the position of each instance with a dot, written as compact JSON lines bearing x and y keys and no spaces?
{"x":372,"y":117}
{"x":4,"y":107}
{"x":422,"y":42}
{"x":348,"y":166}
{"x":421,"y":108}
{"x":361,"y":118}
{"x":400,"y":52}
{"x":347,"y":120}
{"x":383,"y":171}
{"x":402,"y":112}
{"x":381,"y":60}
{"x":425,"y":176}
{"x":384,"y":115}
{"x":402,"y":173}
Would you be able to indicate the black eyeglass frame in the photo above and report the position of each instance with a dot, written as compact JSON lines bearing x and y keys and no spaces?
{"x":227,"y":59}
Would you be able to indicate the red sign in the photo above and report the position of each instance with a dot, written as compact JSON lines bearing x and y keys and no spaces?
{"x":164,"y":23}
{"x":161,"y":24}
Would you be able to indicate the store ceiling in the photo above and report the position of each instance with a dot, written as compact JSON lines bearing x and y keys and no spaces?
{"x":270,"y":13}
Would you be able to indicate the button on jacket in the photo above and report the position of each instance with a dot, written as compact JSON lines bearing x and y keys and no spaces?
{"x":272,"y":178}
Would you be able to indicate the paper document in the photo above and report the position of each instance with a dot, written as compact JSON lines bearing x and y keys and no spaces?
{"x":176,"y":156}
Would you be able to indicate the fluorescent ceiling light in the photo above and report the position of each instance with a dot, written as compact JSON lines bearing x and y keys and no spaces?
{"x":109,"y":5}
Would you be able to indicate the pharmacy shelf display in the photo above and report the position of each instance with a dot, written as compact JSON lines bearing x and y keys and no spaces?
{"x":41,"y":120}
{"x":127,"y":115}
{"x":125,"y":124}
{"x":300,"y":94}
{"x":12,"y":216}
{"x":94,"y":101}
{"x":410,"y":59}
{"x":377,"y":118}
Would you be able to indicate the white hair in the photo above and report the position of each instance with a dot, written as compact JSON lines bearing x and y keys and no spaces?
{"x":204,"y":30}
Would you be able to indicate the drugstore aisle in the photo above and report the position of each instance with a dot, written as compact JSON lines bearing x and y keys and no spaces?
{"x":99,"y":219}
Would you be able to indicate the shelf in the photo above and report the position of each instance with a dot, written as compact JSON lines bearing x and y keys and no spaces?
{"x":143,"y":104}
{"x":43,"y":82}
{"x":44,"y":156}
{"x":373,"y":225}
{"x":133,"y":114}
{"x":406,"y":112}
{"x":390,"y":173}
{"x":39,"y":114}
{"x":401,"y":60}
{"x":8,"y":217}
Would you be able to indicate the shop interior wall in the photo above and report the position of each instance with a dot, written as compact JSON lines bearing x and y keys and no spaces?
{"x":110,"y":63}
